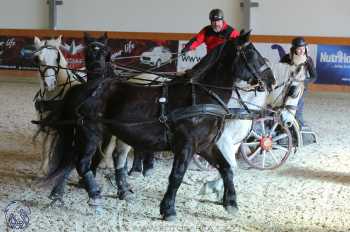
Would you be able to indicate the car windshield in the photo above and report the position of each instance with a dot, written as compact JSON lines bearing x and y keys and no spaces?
{"x":156,"y":49}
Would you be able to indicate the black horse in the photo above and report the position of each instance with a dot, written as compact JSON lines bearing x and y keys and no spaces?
{"x":98,"y":66}
{"x":185,"y":116}
{"x":97,"y":62}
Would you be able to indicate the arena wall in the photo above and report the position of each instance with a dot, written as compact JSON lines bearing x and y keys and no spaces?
{"x":174,"y":36}
{"x":300,"y":17}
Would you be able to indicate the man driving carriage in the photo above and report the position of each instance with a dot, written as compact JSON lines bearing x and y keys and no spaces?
{"x":298,"y":56}
{"x":213,"y":34}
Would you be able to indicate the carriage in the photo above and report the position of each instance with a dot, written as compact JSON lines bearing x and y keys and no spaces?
{"x":269,"y":142}
{"x":89,"y":106}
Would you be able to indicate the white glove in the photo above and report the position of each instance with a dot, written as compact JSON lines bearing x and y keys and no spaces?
{"x":287,"y":117}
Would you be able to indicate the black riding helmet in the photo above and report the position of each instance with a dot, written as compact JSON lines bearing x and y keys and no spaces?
{"x":216,"y":14}
{"x":298,"y":42}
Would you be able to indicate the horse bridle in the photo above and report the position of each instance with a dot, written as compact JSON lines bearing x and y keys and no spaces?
{"x":101,"y":47}
{"x":256,"y":72}
{"x":56,"y":69}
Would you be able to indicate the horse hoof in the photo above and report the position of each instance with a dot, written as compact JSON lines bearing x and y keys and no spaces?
{"x":148,"y":172}
{"x":170,"y":218}
{"x":55,"y":196}
{"x":56,"y":203}
{"x":231,"y":210}
{"x":127,"y":195}
{"x":95,"y":202}
{"x":134,"y":173}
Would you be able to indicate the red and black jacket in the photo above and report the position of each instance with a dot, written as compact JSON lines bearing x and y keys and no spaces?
{"x":211,"y":38}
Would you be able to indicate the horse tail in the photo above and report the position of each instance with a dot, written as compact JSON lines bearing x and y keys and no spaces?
{"x":61,"y":154}
{"x":60,"y":126}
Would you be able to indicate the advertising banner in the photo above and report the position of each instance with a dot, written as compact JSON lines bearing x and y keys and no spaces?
{"x":333,"y":64}
{"x":152,"y":55}
{"x":15,"y":52}
{"x":189,"y":59}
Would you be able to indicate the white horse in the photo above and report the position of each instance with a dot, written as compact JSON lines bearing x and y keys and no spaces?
{"x":236,"y":130}
{"x":53,"y":68}
{"x":55,"y":79}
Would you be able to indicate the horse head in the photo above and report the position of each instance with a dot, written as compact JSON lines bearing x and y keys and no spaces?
{"x":50,"y":60}
{"x":249,"y":65}
{"x":97,"y":54}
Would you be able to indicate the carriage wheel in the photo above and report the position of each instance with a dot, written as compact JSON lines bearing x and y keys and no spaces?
{"x":268,"y":144}
{"x":201,"y":163}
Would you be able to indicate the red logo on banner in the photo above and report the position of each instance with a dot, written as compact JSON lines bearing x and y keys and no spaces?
{"x":74,"y":54}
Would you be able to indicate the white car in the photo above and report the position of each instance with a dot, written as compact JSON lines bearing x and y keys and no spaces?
{"x":156,"y":56}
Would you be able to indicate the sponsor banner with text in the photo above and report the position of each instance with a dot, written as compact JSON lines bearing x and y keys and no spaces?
{"x":151,"y":55}
{"x":189,"y":59}
{"x":333,"y":64}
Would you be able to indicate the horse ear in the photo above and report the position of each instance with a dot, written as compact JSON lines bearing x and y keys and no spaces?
{"x":87,"y":37}
{"x":59,"y":39}
{"x":37,"y":42}
{"x":245,"y":36}
{"x":104,"y":38}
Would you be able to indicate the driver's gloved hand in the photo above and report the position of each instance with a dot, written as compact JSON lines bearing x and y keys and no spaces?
{"x":185,"y":50}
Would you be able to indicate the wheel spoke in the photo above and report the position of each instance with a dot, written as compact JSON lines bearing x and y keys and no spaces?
{"x":274,"y":157}
{"x":255,"y":134}
{"x":254,"y":153}
{"x":264,"y":156}
{"x":263,"y":127}
{"x":278,"y":137}
{"x":252,"y":143}
{"x":280,"y":148}
{"x":273,"y":128}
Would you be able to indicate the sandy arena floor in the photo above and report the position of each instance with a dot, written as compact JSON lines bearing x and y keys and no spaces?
{"x":310,"y":192}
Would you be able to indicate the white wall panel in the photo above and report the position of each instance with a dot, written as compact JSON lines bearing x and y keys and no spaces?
{"x":143,"y":15}
{"x":301,"y":17}
{"x":26,"y":14}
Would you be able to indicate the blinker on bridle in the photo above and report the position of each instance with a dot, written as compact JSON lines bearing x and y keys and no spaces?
{"x":47,"y":67}
{"x":256,"y":72}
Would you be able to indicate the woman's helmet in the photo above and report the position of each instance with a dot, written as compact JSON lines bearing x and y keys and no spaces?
{"x":216,"y":14}
{"x":298,"y":42}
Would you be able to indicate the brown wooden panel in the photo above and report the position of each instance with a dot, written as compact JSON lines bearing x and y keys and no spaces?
{"x":111,"y":34}
{"x":309,"y":39}
{"x":329,"y":88}
{"x":168,"y":36}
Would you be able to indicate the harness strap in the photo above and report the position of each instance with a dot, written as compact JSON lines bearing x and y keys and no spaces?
{"x":194,"y":100}
{"x":197,"y":110}
{"x":241,"y":101}
{"x":163,"y":101}
{"x":215,"y":96}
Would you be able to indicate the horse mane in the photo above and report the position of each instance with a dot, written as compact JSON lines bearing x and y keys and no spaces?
{"x":207,"y":62}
